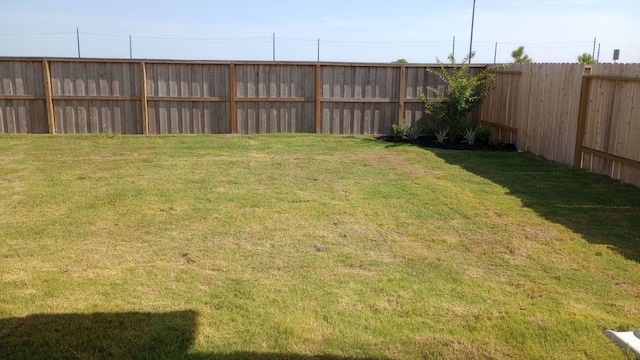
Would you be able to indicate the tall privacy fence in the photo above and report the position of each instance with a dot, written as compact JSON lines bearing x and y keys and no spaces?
{"x":180,"y":97}
{"x":584,"y":116}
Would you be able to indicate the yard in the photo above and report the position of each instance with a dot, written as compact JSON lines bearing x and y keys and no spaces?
{"x":308,"y":247}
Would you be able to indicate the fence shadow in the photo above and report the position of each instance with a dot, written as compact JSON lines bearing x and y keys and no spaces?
{"x":583,"y":202}
{"x":132,"y":335}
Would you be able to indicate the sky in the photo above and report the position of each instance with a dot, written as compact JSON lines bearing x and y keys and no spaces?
{"x":419,"y":31}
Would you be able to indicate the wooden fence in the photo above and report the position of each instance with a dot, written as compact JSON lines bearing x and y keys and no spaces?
{"x":190,"y":97}
{"x":536,"y":106}
{"x":609,"y":123}
{"x":583,"y":116}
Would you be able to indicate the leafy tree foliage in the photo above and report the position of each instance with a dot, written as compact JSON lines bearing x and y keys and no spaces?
{"x":519,"y":57}
{"x":586,"y":58}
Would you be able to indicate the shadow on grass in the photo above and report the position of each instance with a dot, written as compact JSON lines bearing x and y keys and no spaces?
{"x":98,"y":335}
{"x":600,"y":209}
{"x":133,"y":335}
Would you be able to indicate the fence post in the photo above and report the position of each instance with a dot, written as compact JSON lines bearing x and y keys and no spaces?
{"x":233,"y":112}
{"x":318,"y":99}
{"x":143,"y":98}
{"x":582,"y":119}
{"x":401,"y":93}
{"x":49,"y":97}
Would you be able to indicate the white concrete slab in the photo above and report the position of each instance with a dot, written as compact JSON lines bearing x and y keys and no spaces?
{"x":628,"y":339}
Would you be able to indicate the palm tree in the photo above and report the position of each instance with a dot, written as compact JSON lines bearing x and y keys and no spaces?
{"x":586,"y":59}
{"x":520,"y":57}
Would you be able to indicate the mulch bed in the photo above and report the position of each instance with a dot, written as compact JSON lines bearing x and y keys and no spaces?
{"x":425,"y":141}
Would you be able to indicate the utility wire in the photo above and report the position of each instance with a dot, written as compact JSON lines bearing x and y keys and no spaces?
{"x":39,"y":34}
{"x":202,"y":39}
{"x":314,"y":40}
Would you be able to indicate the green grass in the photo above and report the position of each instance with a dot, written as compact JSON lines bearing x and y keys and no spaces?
{"x":308,"y":247}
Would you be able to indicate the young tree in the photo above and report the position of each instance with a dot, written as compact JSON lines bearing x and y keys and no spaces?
{"x":464,"y":92}
{"x":519,"y":57}
{"x":586,"y":58}
{"x":400,"y":61}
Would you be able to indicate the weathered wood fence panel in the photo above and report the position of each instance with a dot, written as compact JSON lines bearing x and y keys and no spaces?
{"x":68,"y":95}
{"x":418,"y":80}
{"x":95,"y":97}
{"x":95,"y":116}
{"x":359,"y":99}
{"x":187,"y":98}
{"x":22,"y":98}
{"x":275,"y":98}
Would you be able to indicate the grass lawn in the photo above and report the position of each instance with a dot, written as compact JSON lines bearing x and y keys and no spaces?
{"x":308,"y":247}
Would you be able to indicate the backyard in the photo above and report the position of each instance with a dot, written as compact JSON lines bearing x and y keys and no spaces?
{"x":308,"y":247}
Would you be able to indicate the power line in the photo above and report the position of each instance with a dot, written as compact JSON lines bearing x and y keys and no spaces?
{"x":38,"y":34}
{"x":202,"y":39}
{"x":256,"y":39}
{"x":387,"y":42}
{"x":296,"y":39}
{"x":536,"y":43}
{"x":310,"y":40}
{"x":107,"y":35}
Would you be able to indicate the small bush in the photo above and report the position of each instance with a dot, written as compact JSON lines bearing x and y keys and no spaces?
{"x":399,"y":129}
{"x":430,"y":128}
{"x":483,"y":134}
{"x":495,"y":140}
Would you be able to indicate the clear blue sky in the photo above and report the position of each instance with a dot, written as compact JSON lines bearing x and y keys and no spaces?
{"x":349,"y":30}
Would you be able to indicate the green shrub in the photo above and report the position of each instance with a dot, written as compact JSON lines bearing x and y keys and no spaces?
{"x":430,"y":128}
{"x":483,"y":134}
{"x":495,"y":140}
{"x":399,"y":129}
{"x":464,"y":92}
